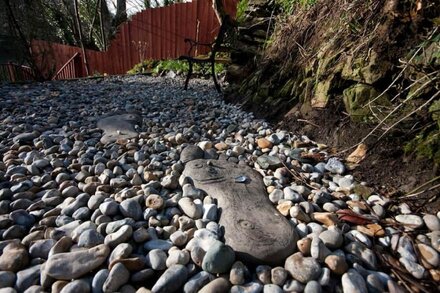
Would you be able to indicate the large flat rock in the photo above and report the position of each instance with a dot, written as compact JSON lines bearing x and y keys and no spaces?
{"x":120,"y":126}
{"x":253,"y":227}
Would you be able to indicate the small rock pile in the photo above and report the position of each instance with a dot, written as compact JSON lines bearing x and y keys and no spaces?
{"x":77,"y":215}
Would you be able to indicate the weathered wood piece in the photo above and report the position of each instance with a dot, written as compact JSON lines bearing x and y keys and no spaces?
{"x":253,"y":227}
{"x":119,"y":127}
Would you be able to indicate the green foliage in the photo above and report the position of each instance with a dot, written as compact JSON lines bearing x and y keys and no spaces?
{"x":425,"y":145}
{"x":177,"y":66}
{"x":145,"y":66}
{"x":241,"y":10}
{"x":287,"y":6}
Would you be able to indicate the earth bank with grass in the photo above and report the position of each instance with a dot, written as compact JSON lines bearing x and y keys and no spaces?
{"x":354,"y":74}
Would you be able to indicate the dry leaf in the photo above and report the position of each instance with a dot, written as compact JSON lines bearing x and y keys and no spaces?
{"x":372,"y":230}
{"x":358,"y":155}
{"x":352,"y":217}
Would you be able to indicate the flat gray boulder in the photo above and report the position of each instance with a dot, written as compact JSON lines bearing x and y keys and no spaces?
{"x":256,"y":231}
{"x":120,"y":126}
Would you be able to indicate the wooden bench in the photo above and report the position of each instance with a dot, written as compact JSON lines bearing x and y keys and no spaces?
{"x":211,"y":58}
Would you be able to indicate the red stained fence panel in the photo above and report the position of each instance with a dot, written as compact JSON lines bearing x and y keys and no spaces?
{"x":156,"y":33}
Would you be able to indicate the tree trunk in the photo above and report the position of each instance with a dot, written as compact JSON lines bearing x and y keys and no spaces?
{"x":121,"y":12}
{"x":78,"y":23}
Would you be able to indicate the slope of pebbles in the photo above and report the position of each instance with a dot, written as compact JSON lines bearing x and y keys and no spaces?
{"x":80,"y":216}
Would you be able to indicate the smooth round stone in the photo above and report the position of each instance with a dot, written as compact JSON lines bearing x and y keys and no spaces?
{"x":90,"y":238}
{"x":363,"y":253}
{"x":312,"y":287}
{"x":109,"y":208}
{"x":190,"y":208}
{"x":304,"y":246}
{"x":210,"y":212}
{"x":379,"y":210}
{"x":218,"y":285}
{"x":276,"y":196}
{"x":335,"y":166}
{"x":95,"y":201}
{"x":303,"y":269}
{"x":76,"y":286}
{"x":248,"y":288}
{"x":71,"y":191}
{"x":272,"y":288}
{"x":374,"y":284}
{"x":332,"y":238}
{"x":82,"y":214}
{"x":197,"y":282}
{"x":177,"y":257}
{"x":115,"y":225}
{"x":179,"y":238}
{"x":7,"y":279}
{"x":278,"y":276}
{"x":352,"y":282}
{"x":71,"y":265}
{"x":290,"y":194}
{"x":14,"y":258}
{"x":41,"y":248}
{"x":324,"y":279}
{"x":142,"y":275}
{"x":99,"y":279}
{"x":413,"y":268}
{"x":122,"y":235}
{"x":432,"y":222}
{"x":154,"y":201}
{"x":264,"y":274}
{"x":158,"y":244}
{"x":238,"y":272}
{"x":318,"y":250}
{"x":429,"y":256}
{"x":293,"y":286}
{"x":156,"y":259}
{"x":190,"y":153}
{"x":131,"y":208}
{"x":121,"y":251}
{"x":410,"y":221}
{"x":357,"y":236}
{"x":171,"y":280}
{"x":218,"y":259}
{"x":336,"y":264}
{"x":118,"y":276}
{"x":190,"y":191}
{"x":23,"y":218}
{"x":330,"y":207}
{"x":28,"y":277}
{"x":14,"y":232}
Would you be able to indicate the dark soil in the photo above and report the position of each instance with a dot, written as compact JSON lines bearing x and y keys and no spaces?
{"x":386,"y":168}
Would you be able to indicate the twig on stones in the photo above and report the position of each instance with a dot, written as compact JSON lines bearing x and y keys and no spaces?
{"x":308,"y":122}
{"x":414,"y":191}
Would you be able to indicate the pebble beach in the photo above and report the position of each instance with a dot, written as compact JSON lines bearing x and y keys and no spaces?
{"x":80,"y":215}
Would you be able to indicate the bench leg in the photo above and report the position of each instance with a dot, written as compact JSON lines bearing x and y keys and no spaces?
{"x":189,"y":74}
{"x":214,"y":76}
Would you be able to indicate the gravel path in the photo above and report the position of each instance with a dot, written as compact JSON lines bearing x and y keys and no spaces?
{"x":80,"y":216}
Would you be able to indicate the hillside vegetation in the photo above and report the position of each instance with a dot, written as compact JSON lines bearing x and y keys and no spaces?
{"x":356,"y":73}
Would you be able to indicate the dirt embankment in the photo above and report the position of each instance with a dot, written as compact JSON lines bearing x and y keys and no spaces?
{"x":342,"y":74}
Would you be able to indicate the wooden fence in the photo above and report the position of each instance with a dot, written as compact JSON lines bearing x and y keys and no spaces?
{"x":156,"y":33}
